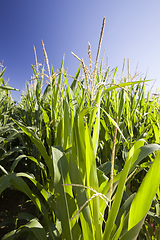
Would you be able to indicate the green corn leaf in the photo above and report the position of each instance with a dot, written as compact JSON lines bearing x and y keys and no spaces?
{"x":121,"y":104}
{"x":96,"y":129}
{"x":114,"y":74}
{"x":68,"y":127}
{"x":35,"y":139}
{"x":116,"y":203}
{"x":46,"y":93}
{"x":114,"y":123}
{"x":132,"y":234}
{"x":128,"y":116}
{"x":1,"y":74}
{"x":55,"y":93}
{"x":118,"y":232}
{"x":60,"y":176}
{"x":105,"y":168}
{"x":17,"y":181}
{"x":156,"y":133}
{"x":81,"y":198}
{"x":16,"y":161}
{"x":137,"y":102}
{"x":35,"y":73}
{"x":26,"y":216}
{"x":9,"y":88}
{"x":92,"y":181}
{"x":78,"y":147}
{"x":122,"y":85}
{"x":91,"y":172}
{"x":4,"y":182}
{"x":95,"y":109}
{"x":73,"y":85}
{"x":36,"y":228}
{"x":38,"y":163}
{"x":147,"y":190}
{"x":154,"y":216}
{"x":94,"y":121}
{"x":40,"y":187}
{"x":70,"y":97}
{"x":145,"y":151}
{"x":20,"y":184}
{"x":3,"y":170}
{"x":137,"y":153}
{"x":9,"y":236}
{"x":123,"y":176}
{"x":125,"y":208}
{"x":49,"y":200}
{"x":48,"y":129}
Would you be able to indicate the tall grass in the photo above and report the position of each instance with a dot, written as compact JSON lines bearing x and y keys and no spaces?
{"x":90,"y":151}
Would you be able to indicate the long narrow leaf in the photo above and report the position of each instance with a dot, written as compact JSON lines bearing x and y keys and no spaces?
{"x":34,"y":138}
{"x":147,"y":190}
{"x":60,"y":174}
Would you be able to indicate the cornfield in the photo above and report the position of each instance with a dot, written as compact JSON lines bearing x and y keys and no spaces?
{"x":85,"y":154}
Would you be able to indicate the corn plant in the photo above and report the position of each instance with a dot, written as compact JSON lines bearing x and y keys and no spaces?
{"x":94,"y":146}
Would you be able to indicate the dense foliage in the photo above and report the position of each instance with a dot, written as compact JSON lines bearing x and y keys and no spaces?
{"x":86,"y":155}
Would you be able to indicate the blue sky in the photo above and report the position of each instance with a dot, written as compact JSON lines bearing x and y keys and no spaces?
{"x":132,"y":31}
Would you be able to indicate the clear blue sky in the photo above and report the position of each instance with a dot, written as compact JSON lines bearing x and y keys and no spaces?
{"x":132,"y":31}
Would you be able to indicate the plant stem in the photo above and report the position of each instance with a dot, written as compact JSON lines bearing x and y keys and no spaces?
{"x":112,"y":165}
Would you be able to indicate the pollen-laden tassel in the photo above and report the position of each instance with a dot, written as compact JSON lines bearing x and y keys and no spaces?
{"x":47,"y":61}
{"x":85,"y":69}
{"x":90,"y":65}
{"x":99,"y":47}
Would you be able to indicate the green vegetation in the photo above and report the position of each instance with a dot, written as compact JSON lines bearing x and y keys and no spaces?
{"x":86,"y":155}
